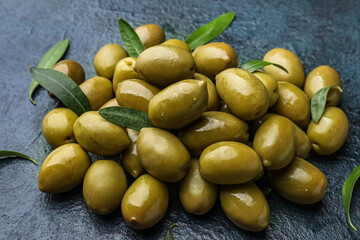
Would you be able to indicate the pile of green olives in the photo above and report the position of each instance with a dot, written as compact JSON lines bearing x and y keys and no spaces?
{"x":218,"y":129}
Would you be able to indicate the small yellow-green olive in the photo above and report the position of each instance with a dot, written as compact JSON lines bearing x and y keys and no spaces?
{"x":98,"y":90}
{"x":63,"y":169}
{"x":145,"y":202}
{"x":104,"y":186}
{"x":106,"y":59}
{"x":178,"y":43}
{"x":213,"y":97}
{"x":124,"y":70}
{"x":150,"y":34}
{"x":303,"y":143}
{"x":72,"y":69}
{"x":111,"y":103}
{"x":271,"y":86}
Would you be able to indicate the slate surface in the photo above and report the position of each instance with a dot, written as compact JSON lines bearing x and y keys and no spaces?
{"x":319,"y":32}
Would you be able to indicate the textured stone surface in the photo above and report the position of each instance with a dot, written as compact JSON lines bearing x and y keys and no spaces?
{"x":319,"y":32}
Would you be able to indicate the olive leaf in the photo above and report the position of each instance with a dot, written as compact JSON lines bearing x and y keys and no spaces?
{"x":131,"y":40}
{"x":5,"y":154}
{"x":49,"y":60}
{"x":347,"y":191}
{"x":252,"y":66}
{"x":126,"y":117}
{"x":63,"y":87}
{"x":169,"y":235}
{"x":318,"y":102}
{"x":210,"y":31}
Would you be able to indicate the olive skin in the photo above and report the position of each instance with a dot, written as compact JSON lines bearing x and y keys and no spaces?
{"x":166,"y":158}
{"x":72,"y":69}
{"x":271,"y":86}
{"x":179,"y":104}
{"x":275,"y":143}
{"x":100,"y":136}
{"x":320,"y":77}
{"x":245,"y":94}
{"x":150,"y":34}
{"x":293,"y":103}
{"x":163,"y":65}
{"x":197,"y":195}
{"x":246,"y":206}
{"x":135,"y":93}
{"x":98,"y":90}
{"x":104,"y":186}
{"x":63,"y":169}
{"x":213,"y":97}
{"x":212,"y":127}
{"x":145,"y":202}
{"x":303,"y":143}
{"x":299,"y":182}
{"x":57,"y":127}
{"x":178,"y":43}
{"x":215,"y":57}
{"x":106,"y":59}
{"x":229,"y":162}
{"x":288,"y":60}
{"x":111,"y":103}
{"x":124,"y":69}
{"x":329,"y":134}
{"x":130,"y":158}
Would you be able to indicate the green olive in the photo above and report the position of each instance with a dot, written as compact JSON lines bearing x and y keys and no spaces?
{"x":329,"y":134}
{"x":130,"y":158}
{"x":224,"y":107}
{"x":111,"y":103}
{"x":98,"y":90}
{"x":288,"y":60}
{"x":229,"y":163}
{"x":213,"y":97}
{"x":275,"y":143}
{"x":244,"y":93}
{"x":271,"y":86}
{"x":321,"y":77}
{"x":100,"y":136}
{"x":104,"y":186}
{"x":178,"y":43}
{"x":299,"y":182}
{"x":179,"y":104}
{"x":72,"y":69}
{"x":135,"y":93}
{"x":150,"y":34}
{"x":162,"y":154}
{"x":124,"y":69}
{"x":215,"y":57}
{"x":212,"y":127}
{"x":303,"y":143}
{"x":145,"y":202}
{"x":197,"y":195}
{"x":57,"y":127}
{"x":106,"y":59}
{"x":246,"y":206}
{"x":163,"y":65}
{"x":63,"y":169}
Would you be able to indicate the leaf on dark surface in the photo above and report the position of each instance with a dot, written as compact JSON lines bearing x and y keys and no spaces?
{"x":252,"y":66}
{"x":131,"y":40}
{"x":169,"y":234}
{"x":347,"y":191}
{"x":6,"y":153}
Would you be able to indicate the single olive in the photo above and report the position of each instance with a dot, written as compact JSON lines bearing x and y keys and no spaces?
{"x":299,"y":182}
{"x":303,"y":143}
{"x":98,"y":90}
{"x":100,"y":136}
{"x":212,"y":127}
{"x":229,"y":162}
{"x":57,"y":127}
{"x":246,"y":206}
{"x":215,"y":57}
{"x":106,"y":59}
{"x":213,"y":97}
{"x":162,"y":154}
{"x":135,"y":93}
{"x":224,"y":107}
{"x":130,"y":158}
{"x":275,"y":143}
{"x":259,"y":121}
{"x":104,"y":186}
{"x":244,"y":93}
{"x":197,"y":195}
{"x":288,"y":60}
{"x":145,"y":202}
{"x":329,"y":134}
{"x":72,"y":69}
{"x":150,"y":34}
{"x":271,"y":86}
{"x":178,"y":43}
{"x":111,"y":103}
{"x":320,"y":77}
{"x":163,"y":65}
{"x":124,"y":69}
{"x":179,"y":104}
{"x":63,"y":169}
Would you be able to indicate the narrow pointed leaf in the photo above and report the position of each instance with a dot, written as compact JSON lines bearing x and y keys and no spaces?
{"x":252,"y":66}
{"x":5,"y":154}
{"x":131,"y":40}
{"x":169,"y":235}
{"x":347,"y":191}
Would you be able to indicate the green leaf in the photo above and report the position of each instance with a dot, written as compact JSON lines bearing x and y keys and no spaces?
{"x":5,"y":154}
{"x":210,"y":31}
{"x":347,"y":191}
{"x":131,"y":40}
{"x":63,"y":87}
{"x":169,"y":235}
{"x":49,"y":60}
{"x":252,"y":66}
{"x":318,"y":102}
{"x":126,"y":117}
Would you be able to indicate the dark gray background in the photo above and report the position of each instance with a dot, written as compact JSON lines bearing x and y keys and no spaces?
{"x":319,"y":32}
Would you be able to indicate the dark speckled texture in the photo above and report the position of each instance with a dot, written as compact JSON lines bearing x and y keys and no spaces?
{"x":319,"y":32}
